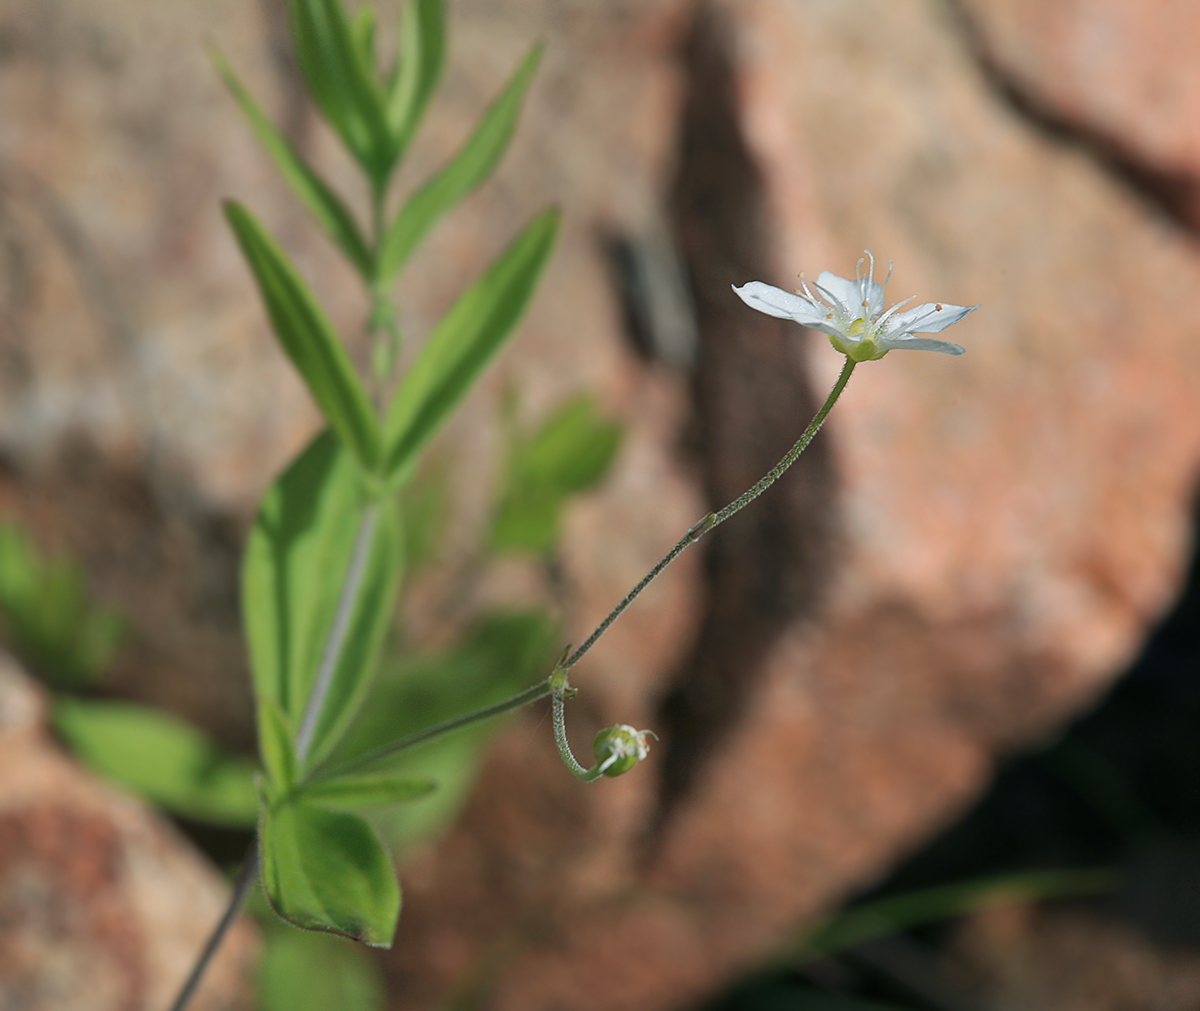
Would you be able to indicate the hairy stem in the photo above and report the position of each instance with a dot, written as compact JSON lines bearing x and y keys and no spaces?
{"x":714,"y":520}
{"x":559,"y":692}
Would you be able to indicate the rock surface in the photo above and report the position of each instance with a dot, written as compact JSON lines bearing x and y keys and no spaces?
{"x":996,"y":530}
{"x":1118,"y":77}
{"x":102,"y":906}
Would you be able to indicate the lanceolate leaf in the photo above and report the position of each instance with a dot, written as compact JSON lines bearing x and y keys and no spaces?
{"x":358,"y":793}
{"x":327,"y":871}
{"x":161,"y":758}
{"x":301,"y":549}
{"x":275,"y":745}
{"x":321,"y":201}
{"x":308,"y":338}
{"x":362,"y":30}
{"x":469,"y":168}
{"x":464,"y":342}
{"x":422,"y":53}
{"x":342,"y":83}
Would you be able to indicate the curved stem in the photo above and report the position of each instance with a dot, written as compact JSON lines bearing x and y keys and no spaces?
{"x":241,"y":890}
{"x":714,"y":520}
{"x":560,"y":691}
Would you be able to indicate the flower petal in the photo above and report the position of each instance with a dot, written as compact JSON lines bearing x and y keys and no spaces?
{"x":932,"y":317}
{"x":921,"y":344}
{"x":779,"y":303}
{"x":874,"y":296}
{"x":843,"y":290}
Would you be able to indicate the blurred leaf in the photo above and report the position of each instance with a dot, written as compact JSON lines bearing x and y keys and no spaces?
{"x":160,"y":758}
{"x":362,"y":30}
{"x":298,"y":554}
{"x":573,"y":448}
{"x":309,"y":339}
{"x":322,"y":203}
{"x":418,"y":69}
{"x":342,"y":84}
{"x":275,"y":744}
{"x":354,"y":793}
{"x":468,"y":169}
{"x":570,"y":452}
{"x":327,"y":871}
{"x":425,"y":505}
{"x":465,"y":341}
{"x":890,"y":915}
{"x":503,"y":654}
{"x":527,"y":521}
{"x":300,"y":971}
{"x":49,"y":620}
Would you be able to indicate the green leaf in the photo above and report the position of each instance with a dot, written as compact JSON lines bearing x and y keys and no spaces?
{"x":468,"y":169}
{"x":298,"y":556}
{"x":49,"y":620}
{"x":894,"y":913}
{"x":160,"y":758}
{"x":275,"y":745}
{"x":356,"y":793}
{"x":300,"y":971}
{"x":362,"y":30}
{"x":569,"y":453}
{"x":342,"y":83}
{"x":324,"y":205}
{"x":465,"y":341}
{"x":527,"y":521}
{"x":327,"y":871}
{"x":418,"y":69}
{"x":308,"y":338}
{"x":572,"y":449}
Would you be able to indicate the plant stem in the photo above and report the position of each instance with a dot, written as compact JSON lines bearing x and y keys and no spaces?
{"x":531,"y":694}
{"x":241,"y":890}
{"x":559,"y":719}
{"x":337,"y":634}
{"x":714,"y":520}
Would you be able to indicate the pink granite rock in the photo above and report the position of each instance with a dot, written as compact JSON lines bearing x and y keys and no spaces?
{"x":1123,"y":73}
{"x":103,"y":906}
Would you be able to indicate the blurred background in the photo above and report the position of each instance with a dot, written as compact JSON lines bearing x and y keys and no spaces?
{"x":928,"y":710}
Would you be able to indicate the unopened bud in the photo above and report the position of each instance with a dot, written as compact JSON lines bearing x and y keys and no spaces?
{"x":618,"y":749}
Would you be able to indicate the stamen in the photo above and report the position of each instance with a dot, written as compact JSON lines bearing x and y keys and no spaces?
{"x":833,"y":300}
{"x":808,"y":292}
{"x":913,"y":324}
{"x":887,"y":315}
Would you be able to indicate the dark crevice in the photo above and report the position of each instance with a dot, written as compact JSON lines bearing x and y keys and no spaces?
{"x":1173,"y":194}
{"x":763,"y":569}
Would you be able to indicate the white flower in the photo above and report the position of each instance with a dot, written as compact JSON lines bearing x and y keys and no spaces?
{"x":851,"y":312}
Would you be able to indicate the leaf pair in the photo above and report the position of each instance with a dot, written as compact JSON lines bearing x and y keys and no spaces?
{"x":462,"y":344}
{"x":377,"y":122}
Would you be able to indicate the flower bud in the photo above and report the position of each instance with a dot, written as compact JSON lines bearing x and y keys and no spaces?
{"x":618,"y":749}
